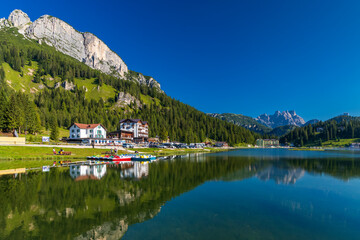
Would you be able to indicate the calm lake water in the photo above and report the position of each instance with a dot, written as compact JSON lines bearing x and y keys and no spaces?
{"x":244,"y":194}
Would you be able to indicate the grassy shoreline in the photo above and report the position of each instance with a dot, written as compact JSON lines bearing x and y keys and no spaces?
{"x":31,"y":157}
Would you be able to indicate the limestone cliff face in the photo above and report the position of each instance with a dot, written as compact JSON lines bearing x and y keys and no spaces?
{"x":99,"y":56}
{"x":4,"y":23}
{"x":85,"y":47}
{"x":148,"y":81}
{"x":141,"y":79}
{"x":125,"y":99}
{"x":19,"y":19}
{"x":58,"y":34}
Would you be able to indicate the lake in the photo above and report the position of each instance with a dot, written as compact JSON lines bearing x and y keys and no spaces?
{"x":242,"y":194}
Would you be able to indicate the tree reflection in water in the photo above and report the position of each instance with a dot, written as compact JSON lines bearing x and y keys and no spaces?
{"x":54,"y":206}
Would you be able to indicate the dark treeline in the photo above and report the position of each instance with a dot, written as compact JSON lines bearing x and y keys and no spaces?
{"x":170,"y":117}
{"x":344,"y":168}
{"x":323,"y":131}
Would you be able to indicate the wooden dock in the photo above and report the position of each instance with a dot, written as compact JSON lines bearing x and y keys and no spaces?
{"x":12,"y":171}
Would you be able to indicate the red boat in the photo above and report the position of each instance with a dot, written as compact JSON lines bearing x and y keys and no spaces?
{"x":121,"y":158}
{"x":111,"y":158}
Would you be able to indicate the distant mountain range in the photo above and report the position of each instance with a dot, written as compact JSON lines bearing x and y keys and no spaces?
{"x":277,"y":124}
{"x":281,"y":119}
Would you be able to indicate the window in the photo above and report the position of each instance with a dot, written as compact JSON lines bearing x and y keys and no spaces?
{"x":91,"y":130}
{"x":78,"y":130}
{"x":78,"y":135}
{"x":72,"y":130}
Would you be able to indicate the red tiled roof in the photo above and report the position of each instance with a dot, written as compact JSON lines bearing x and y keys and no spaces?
{"x":88,"y":126}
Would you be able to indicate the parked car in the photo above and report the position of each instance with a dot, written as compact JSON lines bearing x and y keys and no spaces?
{"x":128,"y":145}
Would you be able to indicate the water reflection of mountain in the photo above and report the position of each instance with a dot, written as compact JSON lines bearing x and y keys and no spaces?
{"x":279,"y":171}
{"x":280,"y":175}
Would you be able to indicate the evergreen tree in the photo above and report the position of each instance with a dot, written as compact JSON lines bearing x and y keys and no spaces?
{"x":54,"y":134}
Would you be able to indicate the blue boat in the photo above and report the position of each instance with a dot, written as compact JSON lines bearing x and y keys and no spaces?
{"x":142,"y":158}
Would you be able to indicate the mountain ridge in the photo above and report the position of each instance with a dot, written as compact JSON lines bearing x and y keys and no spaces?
{"x":281,"y":124}
{"x":83,"y":46}
{"x":281,"y":119}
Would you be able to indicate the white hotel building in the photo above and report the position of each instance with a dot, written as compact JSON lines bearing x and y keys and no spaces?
{"x":139,"y":128}
{"x":81,"y":131}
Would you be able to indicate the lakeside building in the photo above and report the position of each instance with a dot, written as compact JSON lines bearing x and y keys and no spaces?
{"x":355,"y":145}
{"x":126,"y":136}
{"x":139,"y":128}
{"x":154,"y":140}
{"x":267,"y":143}
{"x":82,"y":131}
{"x":89,"y":134}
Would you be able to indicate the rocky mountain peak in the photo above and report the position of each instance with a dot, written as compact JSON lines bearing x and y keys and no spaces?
{"x":19,"y":19}
{"x":85,"y":47}
{"x":281,"y":119}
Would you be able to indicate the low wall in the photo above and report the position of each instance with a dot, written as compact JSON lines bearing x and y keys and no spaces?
{"x":12,"y":140}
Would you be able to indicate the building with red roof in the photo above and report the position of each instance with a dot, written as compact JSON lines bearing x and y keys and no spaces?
{"x":81,"y":131}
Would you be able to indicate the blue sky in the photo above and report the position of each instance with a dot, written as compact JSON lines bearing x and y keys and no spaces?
{"x":248,"y":57}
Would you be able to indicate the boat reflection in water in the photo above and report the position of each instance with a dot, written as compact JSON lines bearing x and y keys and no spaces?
{"x":135,"y":170}
{"x":85,"y":172}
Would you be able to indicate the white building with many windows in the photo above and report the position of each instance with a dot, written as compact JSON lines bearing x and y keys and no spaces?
{"x":80,"y":130}
{"x":136,"y":126}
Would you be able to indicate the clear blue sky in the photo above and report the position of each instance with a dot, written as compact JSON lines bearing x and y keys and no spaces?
{"x":248,"y":57}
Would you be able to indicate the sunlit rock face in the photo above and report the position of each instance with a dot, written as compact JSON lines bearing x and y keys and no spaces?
{"x":85,"y":47}
{"x":19,"y":19}
{"x":281,"y":119}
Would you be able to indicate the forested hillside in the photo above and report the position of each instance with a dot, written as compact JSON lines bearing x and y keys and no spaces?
{"x":30,"y":75}
{"x":341,"y":127}
{"x":243,"y":121}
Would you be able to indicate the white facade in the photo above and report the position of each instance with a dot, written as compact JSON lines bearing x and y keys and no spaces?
{"x":98,"y":171}
{"x":138,"y":170}
{"x":78,"y":131}
{"x":139,"y":128}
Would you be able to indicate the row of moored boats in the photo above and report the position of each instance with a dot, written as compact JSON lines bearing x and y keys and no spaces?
{"x":122,"y":158}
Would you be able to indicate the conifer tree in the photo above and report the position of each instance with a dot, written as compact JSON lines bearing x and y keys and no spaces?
{"x":54,"y":134}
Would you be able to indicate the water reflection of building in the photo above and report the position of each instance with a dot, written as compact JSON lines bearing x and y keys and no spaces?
{"x":84,"y":172}
{"x":281,"y":175}
{"x":137,"y":170}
